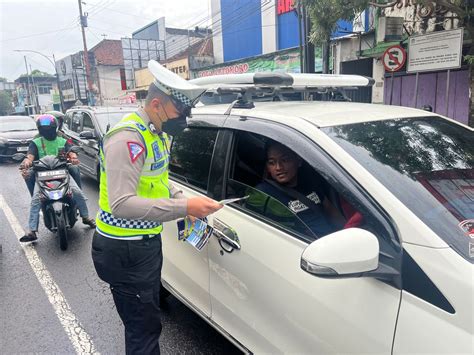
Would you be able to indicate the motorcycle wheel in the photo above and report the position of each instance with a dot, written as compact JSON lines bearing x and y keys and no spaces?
{"x":62,"y":233}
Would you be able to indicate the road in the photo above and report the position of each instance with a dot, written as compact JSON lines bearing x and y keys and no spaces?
{"x":53,"y":302}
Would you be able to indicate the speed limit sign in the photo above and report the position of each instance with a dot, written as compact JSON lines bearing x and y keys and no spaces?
{"x":394,"y":58}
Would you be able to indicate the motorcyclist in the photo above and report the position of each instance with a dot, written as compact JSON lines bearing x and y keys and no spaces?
{"x":74,"y":171}
{"x":49,"y":143}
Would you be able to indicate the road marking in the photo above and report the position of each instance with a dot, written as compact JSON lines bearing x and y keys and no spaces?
{"x":81,"y":341}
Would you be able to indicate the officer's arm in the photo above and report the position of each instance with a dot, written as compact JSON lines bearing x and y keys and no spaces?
{"x":123,"y":170}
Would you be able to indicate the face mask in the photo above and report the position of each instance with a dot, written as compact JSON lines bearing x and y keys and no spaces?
{"x":174,"y":126}
{"x":49,"y":134}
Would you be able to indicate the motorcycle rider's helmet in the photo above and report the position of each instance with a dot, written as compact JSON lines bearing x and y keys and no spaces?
{"x":59,"y":117}
{"x":47,"y":126}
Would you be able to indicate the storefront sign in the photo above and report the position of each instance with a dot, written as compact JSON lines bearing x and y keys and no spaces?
{"x":435,"y":51}
{"x":180,"y":67}
{"x":284,"y":6}
{"x":394,"y":58}
{"x":288,"y":62}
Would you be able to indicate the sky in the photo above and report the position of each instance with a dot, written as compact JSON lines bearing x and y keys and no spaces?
{"x":52,"y":26}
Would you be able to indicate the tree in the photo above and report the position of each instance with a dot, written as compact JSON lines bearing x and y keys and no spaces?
{"x":5,"y":103}
{"x":36,"y":73}
{"x":3,"y":80}
{"x":324,"y":14}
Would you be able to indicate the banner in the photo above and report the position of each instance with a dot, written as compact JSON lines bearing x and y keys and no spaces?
{"x":287,"y":61}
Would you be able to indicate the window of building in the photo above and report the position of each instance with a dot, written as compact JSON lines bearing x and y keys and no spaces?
{"x":44,"y":89}
{"x":191,"y":154}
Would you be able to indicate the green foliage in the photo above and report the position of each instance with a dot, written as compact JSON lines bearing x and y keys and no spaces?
{"x":38,"y":73}
{"x":3,"y":80}
{"x":324,"y":15}
{"x":5,"y":103}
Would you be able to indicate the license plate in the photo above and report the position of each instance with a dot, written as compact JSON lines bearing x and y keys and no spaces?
{"x":52,"y":174}
{"x":22,"y":149}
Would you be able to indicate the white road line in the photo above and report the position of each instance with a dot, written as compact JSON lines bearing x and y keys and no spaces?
{"x":77,"y":335}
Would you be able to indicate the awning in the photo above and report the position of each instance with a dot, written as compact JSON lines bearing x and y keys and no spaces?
{"x":380,"y":48}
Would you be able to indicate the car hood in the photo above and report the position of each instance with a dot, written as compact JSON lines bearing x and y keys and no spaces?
{"x":21,"y":135}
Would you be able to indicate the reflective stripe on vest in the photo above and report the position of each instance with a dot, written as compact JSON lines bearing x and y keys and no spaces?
{"x":153,"y":181}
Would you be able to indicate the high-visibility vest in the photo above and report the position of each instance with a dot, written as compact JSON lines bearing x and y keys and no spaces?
{"x":153,"y":182}
{"x":46,"y":147}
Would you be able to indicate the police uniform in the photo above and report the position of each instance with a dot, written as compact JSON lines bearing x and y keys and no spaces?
{"x":136,"y":197}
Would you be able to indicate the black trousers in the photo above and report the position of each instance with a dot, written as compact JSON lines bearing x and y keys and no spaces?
{"x":133,"y":271}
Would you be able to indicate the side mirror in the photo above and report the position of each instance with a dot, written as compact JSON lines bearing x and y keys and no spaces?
{"x":18,"y":156}
{"x":87,"y":135}
{"x":346,"y":253}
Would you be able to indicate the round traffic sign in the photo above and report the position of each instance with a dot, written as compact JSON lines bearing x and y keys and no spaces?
{"x":394,"y":58}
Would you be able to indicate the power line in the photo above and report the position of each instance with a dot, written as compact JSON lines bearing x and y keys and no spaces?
{"x":35,"y":35}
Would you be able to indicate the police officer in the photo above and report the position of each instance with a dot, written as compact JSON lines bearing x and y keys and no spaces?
{"x":136,"y":197}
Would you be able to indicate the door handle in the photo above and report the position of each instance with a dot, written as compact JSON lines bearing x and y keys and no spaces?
{"x":226,"y":235}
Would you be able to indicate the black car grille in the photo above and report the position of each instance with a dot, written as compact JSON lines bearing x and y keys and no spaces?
{"x":11,"y":148}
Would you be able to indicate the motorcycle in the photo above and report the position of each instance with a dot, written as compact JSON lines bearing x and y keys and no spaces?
{"x":57,"y":203}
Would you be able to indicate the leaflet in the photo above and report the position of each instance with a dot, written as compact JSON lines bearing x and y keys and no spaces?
{"x":231,"y":200}
{"x":196,"y":234}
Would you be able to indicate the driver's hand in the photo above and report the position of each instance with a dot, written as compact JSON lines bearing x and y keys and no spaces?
{"x":25,"y":164}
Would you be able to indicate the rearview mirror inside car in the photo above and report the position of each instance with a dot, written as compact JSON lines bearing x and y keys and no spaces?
{"x":87,"y":135}
{"x":346,"y":253}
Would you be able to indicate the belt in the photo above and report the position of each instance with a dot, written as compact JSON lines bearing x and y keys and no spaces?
{"x":132,"y":237}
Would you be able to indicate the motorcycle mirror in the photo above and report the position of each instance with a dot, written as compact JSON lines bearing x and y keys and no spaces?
{"x":18,"y":156}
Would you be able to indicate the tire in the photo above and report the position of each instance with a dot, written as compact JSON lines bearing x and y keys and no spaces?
{"x":62,"y":232}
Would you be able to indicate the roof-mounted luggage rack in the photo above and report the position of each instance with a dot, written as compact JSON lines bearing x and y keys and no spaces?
{"x":263,"y":85}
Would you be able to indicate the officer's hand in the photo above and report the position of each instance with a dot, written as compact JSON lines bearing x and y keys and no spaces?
{"x":25,"y":173}
{"x":201,"y":207}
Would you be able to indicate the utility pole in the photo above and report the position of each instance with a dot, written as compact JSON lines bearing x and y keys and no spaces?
{"x":28,"y":88}
{"x":35,"y":92}
{"x":86,"y":55}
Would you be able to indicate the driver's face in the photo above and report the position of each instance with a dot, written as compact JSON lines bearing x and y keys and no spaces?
{"x":282,"y":165}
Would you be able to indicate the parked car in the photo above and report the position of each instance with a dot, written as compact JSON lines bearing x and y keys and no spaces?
{"x":86,"y":126}
{"x":16,"y":133}
{"x":397,"y":281}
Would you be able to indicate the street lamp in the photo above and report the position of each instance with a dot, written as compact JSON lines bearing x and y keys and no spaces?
{"x":53,"y":63}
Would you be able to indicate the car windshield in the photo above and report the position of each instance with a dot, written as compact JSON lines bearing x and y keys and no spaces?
{"x":427,"y":163}
{"x":109,"y":119}
{"x":17,"y":124}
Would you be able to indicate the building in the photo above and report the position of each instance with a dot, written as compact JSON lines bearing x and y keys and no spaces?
{"x":183,"y":64}
{"x":72,"y":79}
{"x":158,"y":42}
{"x":429,"y":76}
{"x":108,"y":72}
{"x":36,"y":93}
{"x":259,"y":35}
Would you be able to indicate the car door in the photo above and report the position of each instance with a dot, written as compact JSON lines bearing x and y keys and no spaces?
{"x":89,"y":147}
{"x":185,"y":269}
{"x":72,"y":128}
{"x":260,"y":294}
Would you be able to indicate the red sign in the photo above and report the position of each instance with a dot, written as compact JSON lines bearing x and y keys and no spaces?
{"x":394,"y":58}
{"x":284,"y":6}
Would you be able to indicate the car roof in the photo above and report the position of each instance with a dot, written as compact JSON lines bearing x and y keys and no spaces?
{"x":14,"y":117}
{"x":320,"y":113}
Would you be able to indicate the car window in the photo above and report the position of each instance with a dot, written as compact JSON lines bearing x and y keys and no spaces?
{"x":76,"y":122}
{"x":67,"y":120}
{"x":87,"y":124}
{"x":427,"y":163}
{"x":107,"y":120}
{"x":191,"y":154}
{"x":302,"y":195}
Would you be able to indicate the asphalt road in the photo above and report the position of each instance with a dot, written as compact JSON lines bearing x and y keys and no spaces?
{"x":48,"y":296}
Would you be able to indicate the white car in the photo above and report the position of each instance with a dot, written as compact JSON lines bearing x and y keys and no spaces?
{"x":395,"y":277}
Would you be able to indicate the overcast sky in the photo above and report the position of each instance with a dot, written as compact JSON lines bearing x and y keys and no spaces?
{"x":52,"y":26}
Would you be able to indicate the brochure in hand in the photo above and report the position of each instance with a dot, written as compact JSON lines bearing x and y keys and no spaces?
{"x":196,"y":234}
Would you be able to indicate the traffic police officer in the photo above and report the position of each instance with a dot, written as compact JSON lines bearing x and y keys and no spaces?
{"x":136,"y":197}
